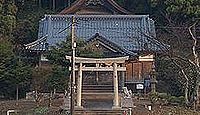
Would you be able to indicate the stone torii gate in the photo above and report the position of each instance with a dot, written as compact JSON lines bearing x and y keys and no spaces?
{"x":112,"y":65}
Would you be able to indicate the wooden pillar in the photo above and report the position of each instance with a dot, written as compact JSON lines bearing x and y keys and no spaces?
{"x":69,"y":3}
{"x":54,"y":5}
{"x":153,"y":79}
{"x":73,"y":79}
{"x":140,"y":71}
{"x":122,"y":79}
{"x":97,"y":74}
{"x":123,"y":76}
{"x":40,"y":3}
{"x":153,"y":86}
{"x":79,"y":87}
{"x":115,"y":80}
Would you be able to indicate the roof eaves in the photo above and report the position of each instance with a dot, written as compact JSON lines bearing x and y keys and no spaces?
{"x":111,"y":44}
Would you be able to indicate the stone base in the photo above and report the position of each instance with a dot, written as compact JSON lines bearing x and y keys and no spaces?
{"x":78,"y":107}
{"x":116,"y":108}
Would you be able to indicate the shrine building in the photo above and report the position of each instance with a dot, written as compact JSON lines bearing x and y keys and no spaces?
{"x":105,"y":24}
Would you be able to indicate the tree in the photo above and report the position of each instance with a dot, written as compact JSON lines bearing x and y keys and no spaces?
{"x":23,"y":33}
{"x":181,"y":11}
{"x":174,"y":28}
{"x":26,"y":29}
{"x":6,"y":55}
{"x":19,"y":75}
{"x":7,"y":17}
{"x":14,"y":73}
{"x":58,"y":80}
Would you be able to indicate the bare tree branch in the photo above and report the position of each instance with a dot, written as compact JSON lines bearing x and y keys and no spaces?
{"x":187,"y":81}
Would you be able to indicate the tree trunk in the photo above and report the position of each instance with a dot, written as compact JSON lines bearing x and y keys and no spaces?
{"x":196,"y":60}
{"x":186,"y":93}
{"x":50,"y":98}
{"x":186,"y":87}
{"x":17,"y":94}
{"x":187,"y":82}
{"x":37,"y":100}
{"x":197,"y":96}
{"x":54,"y":92}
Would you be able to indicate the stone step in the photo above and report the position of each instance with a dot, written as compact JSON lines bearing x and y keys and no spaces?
{"x":99,"y":112}
{"x":97,"y":95}
{"x":98,"y":89}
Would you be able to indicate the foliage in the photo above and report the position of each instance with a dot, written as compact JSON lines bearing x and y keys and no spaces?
{"x":19,"y":74}
{"x":178,"y":10}
{"x":6,"y":55}
{"x":13,"y":71}
{"x":58,"y":79}
{"x":167,"y":76}
{"x":41,"y":110}
{"x":23,"y":33}
{"x":39,"y":78}
{"x":7,"y":17}
{"x":174,"y":19}
{"x":165,"y":98}
{"x":28,"y":16}
{"x":138,"y":6}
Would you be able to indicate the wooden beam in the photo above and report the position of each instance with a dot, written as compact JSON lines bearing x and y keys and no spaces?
{"x":99,"y":60}
{"x":101,"y":69}
{"x":146,"y":58}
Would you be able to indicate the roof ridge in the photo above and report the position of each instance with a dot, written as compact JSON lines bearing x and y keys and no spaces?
{"x":79,"y":3}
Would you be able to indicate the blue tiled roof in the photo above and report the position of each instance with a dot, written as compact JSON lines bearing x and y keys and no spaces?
{"x":130,"y":32}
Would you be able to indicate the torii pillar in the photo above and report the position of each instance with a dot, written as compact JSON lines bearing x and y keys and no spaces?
{"x":79,"y":86}
{"x":116,"y":90}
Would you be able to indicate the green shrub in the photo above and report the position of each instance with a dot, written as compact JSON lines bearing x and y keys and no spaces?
{"x":165,"y":98}
{"x":173,"y":99}
{"x":41,"y":110}
{"x":181,"y":100}
{"x":178,"y":100}
{"x":153,"y":97}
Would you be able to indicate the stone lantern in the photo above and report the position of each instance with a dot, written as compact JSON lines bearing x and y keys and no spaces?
{"x":153,"y":79}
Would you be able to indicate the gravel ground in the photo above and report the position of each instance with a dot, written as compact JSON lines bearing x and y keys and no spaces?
{"x":138,"y":109}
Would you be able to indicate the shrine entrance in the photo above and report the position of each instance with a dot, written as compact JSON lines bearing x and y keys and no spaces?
{"x":115,"y":66}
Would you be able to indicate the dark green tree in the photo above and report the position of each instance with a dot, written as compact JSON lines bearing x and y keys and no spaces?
{"x":19,"y":75}
{"x":23,"y":33}
{"x":6,"y":55}
{"x":58,"y":80}
{"x":8,"y":12}
{"x":60,"y":75}
{"x":14,"y":73}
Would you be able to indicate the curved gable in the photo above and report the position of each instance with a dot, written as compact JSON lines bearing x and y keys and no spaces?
{"x":99,"y":7}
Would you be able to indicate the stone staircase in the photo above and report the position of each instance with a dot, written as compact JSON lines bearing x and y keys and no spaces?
{"x":99,"y":112}
{"x":97,"y":88}
{"x":98,"y":92}
{"x":98,"y":100}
